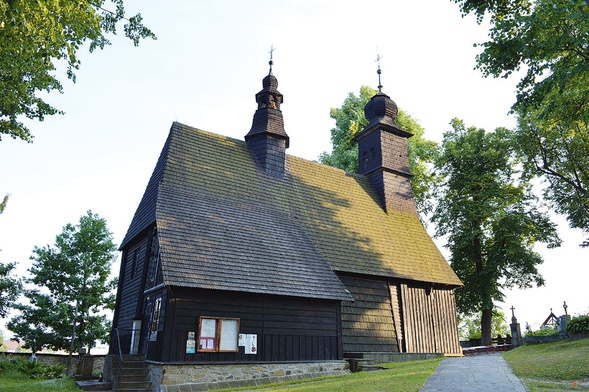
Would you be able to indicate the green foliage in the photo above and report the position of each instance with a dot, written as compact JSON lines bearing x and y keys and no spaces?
{"x":545,"y":43}
{"x":70,"y":283}
{"x":579,"y":324}
{"x":560,"y":154}
{"x":469,"y":327}
{"x":30,"y":369}
{"x":3,"y":203}
{"x":490,"y":217}
{"x":497,"y":9}
{"x":34,"y":36}
{"x":543,"y":332}
{"x":10,"y":288}
{"x":350,"y":119}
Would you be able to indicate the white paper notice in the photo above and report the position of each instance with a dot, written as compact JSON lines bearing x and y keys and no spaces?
{"x":208,"y":328}
{"x":251,"y":344}
{"x":228,"y":335}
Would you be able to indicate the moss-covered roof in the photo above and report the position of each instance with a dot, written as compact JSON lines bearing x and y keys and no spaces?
{"x":222,"y":222}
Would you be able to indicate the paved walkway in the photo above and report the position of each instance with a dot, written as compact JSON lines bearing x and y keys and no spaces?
{"x":485,"y":372}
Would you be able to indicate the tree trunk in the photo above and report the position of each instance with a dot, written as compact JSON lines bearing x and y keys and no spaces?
{"x":487,"y":312}
{"x":486,"y":327}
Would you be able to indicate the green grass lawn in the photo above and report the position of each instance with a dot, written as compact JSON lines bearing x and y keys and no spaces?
{"x":399,"y":376}
{"x":559,"y":366}
{"x":20,"y":384}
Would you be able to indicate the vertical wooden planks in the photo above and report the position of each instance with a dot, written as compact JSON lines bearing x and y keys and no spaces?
{"x":428,"y":320}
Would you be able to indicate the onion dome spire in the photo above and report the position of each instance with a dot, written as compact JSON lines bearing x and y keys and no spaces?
{"x":267,"y":138}
{"x":381,"y":108}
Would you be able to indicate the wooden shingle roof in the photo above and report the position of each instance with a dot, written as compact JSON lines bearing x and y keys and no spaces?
{"x":224,"y":224}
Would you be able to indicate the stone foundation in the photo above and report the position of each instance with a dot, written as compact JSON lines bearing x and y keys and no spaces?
{"x":200,"y":377}
{"x":384,"y":357}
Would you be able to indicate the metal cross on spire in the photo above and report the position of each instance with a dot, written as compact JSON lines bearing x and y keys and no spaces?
{"x":378,"y":57}
{"x":272,"y":49}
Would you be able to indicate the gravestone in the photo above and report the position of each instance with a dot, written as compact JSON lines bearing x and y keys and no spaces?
{"x":516,"y":334}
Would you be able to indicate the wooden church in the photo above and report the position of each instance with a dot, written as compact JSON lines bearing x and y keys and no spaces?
{"x":239,"y":253}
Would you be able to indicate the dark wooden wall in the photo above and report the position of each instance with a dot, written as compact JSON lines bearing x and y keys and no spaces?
{"x":129,"y":294}
{"x":367,"y":323}
{"x":288,"y":328}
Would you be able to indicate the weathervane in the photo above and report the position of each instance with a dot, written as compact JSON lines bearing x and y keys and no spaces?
{"x":378,"y":57}
{"x":272,"y":49}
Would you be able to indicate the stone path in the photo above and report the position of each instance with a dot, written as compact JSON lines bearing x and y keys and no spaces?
{"x":485,"y":372}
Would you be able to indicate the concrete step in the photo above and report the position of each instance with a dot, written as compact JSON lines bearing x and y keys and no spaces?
{"x":134,"y":385}
{"x":129,"y":365}
{"x":93,"y":385}
{"x":126,"y":377}
{"x":131,"y":374}
{"x":357,"y":364}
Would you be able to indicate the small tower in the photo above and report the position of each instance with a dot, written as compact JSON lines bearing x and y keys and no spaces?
{"x":267,"y":140}
{"x":383,"y":154}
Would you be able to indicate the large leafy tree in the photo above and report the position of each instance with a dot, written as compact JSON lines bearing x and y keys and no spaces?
{"x":10,"y":286}
{"x":547,"y":41}
{"x":560,"y":154}
{"x":34,"y":36}
{"x":350,"y":119}
{"x":490,"y":218}
{"x":70,"y":286}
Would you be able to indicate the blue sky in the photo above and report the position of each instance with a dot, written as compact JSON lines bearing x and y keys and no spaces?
{"x":205,"y":69}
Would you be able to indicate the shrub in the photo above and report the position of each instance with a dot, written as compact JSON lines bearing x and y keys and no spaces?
{"x":31,"y":369}
{"x":579,"y":324}
{"x":543,"y":332}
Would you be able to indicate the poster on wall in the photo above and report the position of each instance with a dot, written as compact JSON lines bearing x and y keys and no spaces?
{"x":191,"y":343}
{"x":249,"y":342}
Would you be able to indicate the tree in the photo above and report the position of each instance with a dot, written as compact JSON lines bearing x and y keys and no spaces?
{"x":547,"y":41}
{"x":3,"y":203}
{"x":490,"y":217}
{"x":10,"y":286}
{"x":561,"y":155}
{"x":34,"y":36}
{"x":470,"y":327}
{"x":71,"y":287}
{"x":350,"y":119}
{"x":497,"y":9}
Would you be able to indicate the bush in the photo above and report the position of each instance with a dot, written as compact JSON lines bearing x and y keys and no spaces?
{"x":579,"y":324}
{"x":543,"y":332}
{"x":30,"y":369}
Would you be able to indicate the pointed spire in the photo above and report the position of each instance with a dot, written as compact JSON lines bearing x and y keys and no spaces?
{"x":272,"y":49}
{"x":381,"y":108}
{"x":383,"y":154}
{"x":267,"y":138}
{"x":378,"y":57}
